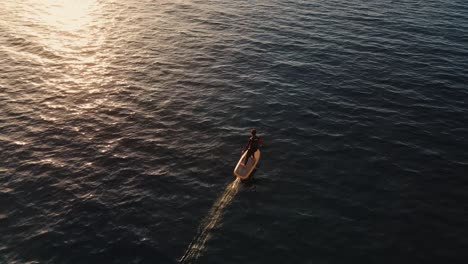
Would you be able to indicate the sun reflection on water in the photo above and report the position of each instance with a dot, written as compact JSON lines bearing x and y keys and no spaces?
{"x":68,"y":15}
{"x":69,"y":36}
{"x":70,"y":25}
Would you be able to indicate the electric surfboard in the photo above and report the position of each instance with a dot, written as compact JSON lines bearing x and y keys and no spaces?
{"x":243,"y":172}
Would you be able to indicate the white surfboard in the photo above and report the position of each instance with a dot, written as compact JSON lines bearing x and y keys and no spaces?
{"x":243,"y":172}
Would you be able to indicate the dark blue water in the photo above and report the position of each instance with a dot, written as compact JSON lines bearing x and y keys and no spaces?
{"x":121,"y":123}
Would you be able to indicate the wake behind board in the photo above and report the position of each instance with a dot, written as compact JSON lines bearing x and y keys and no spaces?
{"x":243,"y":172}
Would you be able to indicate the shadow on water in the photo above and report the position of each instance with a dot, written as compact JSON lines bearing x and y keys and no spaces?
{"x":197,"y":245}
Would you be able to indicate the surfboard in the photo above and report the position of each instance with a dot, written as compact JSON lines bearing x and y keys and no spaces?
{"x":243,"y":172}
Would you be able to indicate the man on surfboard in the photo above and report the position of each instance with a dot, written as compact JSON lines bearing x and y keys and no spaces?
{"x":252,"y":145}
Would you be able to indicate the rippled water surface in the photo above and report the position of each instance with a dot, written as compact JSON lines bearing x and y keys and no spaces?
{"x":121,"y":123}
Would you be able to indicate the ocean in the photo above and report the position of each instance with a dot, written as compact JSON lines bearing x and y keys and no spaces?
{"x":121,"y":123}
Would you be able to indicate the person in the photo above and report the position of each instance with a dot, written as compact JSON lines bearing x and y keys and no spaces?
{"x":252,"y":146}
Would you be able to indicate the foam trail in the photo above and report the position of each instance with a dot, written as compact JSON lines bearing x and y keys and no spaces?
{"x":197,"y":245}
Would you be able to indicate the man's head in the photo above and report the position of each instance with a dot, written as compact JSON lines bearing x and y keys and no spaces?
{"x":253,"y":132}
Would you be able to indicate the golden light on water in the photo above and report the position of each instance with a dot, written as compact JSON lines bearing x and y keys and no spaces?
{"x":68,"y":15}
{"x":70,"y":33}
{"x":65,"y":26}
